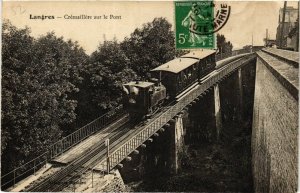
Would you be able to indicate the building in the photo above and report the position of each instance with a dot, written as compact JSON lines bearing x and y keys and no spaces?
{"x":290,"y":21}
{"x":294,"y":37}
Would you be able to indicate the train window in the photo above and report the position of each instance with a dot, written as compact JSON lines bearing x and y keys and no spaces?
{"x":151,"y":90}
{"x":189,"y":72}
{"x":178,"y":79}
{"x":194,"y":67}
{"x":182,"y":75}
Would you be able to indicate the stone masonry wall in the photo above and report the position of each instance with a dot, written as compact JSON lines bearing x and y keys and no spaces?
{"x":274,"y":135}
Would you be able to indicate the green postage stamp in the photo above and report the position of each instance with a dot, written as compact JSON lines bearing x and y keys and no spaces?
{"x":194,"y":24}
{"x":197,"y":21}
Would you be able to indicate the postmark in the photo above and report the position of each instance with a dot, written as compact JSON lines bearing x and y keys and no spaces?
{"x":197,"y":22}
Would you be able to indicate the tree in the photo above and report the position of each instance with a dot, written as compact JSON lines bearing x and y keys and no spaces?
{"x":107,"y":71}
{"x":223,"y":45}
{"x":65,"y":65}
{"x":150,"y":46}
{"x":248,"y":48}
{"x":17,"y":51}
{"x":38,"y":78}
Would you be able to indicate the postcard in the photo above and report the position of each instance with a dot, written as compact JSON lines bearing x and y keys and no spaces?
{"x":149,"y":96}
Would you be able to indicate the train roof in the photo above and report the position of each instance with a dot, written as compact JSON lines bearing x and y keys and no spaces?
{"x":176,"y":65}
{"x":197,"y":54}
{"x":141,"y":84}
{"x":185,"y":61}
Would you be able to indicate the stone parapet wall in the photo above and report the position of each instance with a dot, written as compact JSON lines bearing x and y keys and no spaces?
{"x":274,"y":132}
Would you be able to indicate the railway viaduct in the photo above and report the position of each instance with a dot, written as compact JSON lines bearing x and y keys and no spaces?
{"x":261,"y":85}
{"x":267,"y":88}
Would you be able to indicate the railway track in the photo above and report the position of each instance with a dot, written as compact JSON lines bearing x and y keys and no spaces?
{"x":73,"y":171}
{"x":114,"y":142}
{"x":60,"y":179}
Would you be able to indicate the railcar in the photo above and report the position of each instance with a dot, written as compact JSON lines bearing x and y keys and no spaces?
{"x":206,"y":61}
{"x":143,"y":98}
{"x":178,"y":74}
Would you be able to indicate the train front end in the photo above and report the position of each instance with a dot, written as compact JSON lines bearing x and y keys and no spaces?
{"x":141,"y":98}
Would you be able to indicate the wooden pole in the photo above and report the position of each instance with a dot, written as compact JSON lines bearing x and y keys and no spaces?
{"x":92,"y":178}
{"x":107,"y":155}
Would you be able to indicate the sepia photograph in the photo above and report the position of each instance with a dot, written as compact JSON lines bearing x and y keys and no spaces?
{"x":150,"y":96}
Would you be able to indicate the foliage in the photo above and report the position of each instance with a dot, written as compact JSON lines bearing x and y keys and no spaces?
{"x":223,"y":45}
{"x":248,"y":48}
{"x":150,"y":46}
{"x":108,"y":70}
{"x":38,"y":75}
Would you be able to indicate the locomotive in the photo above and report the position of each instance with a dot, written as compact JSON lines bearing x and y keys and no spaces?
{"x":144,"y":98}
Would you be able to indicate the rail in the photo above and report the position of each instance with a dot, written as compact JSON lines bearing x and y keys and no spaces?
{"x":61,"y":146}
{"x":222,"y":56}
{"x":129,"y":146}
{"x":74,"y":138}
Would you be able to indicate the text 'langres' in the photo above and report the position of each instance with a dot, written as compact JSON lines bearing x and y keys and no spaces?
{"x":42,"y":17}
{"x":85,"y":17}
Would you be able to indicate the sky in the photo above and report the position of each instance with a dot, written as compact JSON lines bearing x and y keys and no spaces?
{"x":247,"y":18}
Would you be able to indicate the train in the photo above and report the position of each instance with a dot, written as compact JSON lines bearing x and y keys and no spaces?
{"x":144,"y":98}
